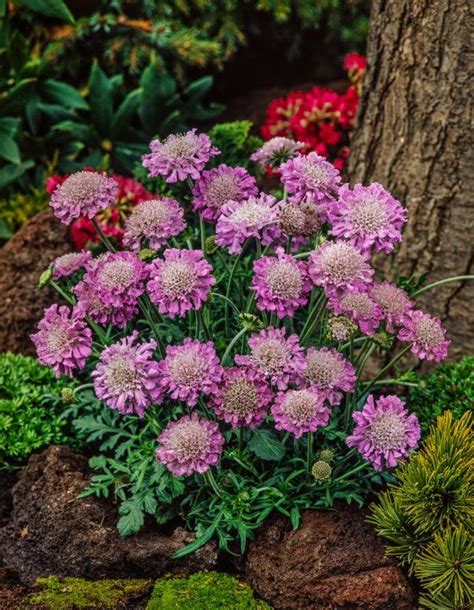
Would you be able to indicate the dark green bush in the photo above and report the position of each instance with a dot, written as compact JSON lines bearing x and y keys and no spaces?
{"x":30,"y":408}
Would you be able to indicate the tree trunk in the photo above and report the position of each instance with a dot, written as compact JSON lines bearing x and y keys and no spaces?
{"x":413,"y":136}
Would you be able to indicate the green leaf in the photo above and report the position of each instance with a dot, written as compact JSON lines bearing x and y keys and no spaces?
{"x":15,"y":99}
{"x":200,"y":541}
{"x":126,"y":110}
{"x":11,"y":173}
{"x":295,"y":517}
{"x":265,"y":445}
{"x":157,"y":87}
{"x":56,"y":9}
{"x":9,"y":126}
{"x":132,"y":517}
{"x":9,"y":149}
{"x":63,"y":94}
{"x":5,"y":232}
{"x":100,"y":96}
{"x":198,"y":89}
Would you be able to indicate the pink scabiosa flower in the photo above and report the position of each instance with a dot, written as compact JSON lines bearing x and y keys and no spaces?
{"x":360,"y":307}
{"x":300,"y":411}
{"x":67,"y":264}
{"x":385,"y":431}
{"x":329,"y":372}
{"x":219,"y":186}
{"x":337,"y":265}
{"x":179,"y":156}
{"x":256,"y":217}
{"x":300,"y":220}
{"x":368,"y":216}
{"x":152,"y":223}
{"x":63,"y":341}
{"x":189,"y":370}
{"x":91,"y":304}
{"x":83,"y":194}
{"x":243,"y":398}
{"x":310,"y":175}
{"x":281,"y":283}
{"x":394,"y":301}
{"x":127,"y":378}
{"x":191,"y":444}
{"x":426,"y":335}
{"x":180,"y":281}
{"x":276,"y":151}
{"x":278,"y":358}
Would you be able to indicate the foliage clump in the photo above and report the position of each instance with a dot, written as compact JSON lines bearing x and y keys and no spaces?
{"x":30,"y":408}
{"x":204,"y":591}
{"x":426,"y":517}
{"x":78,"y":593}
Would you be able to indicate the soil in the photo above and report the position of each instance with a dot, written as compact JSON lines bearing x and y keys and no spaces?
{"x":22,"y":260}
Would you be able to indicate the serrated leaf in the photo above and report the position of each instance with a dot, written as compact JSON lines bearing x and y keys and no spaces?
{"x":265,"y":445}
{"x":132,"y":518}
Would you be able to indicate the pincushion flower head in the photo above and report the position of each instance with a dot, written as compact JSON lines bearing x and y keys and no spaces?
{"x":426,"y":335}
{"x":278,"y":358}
{"x":300,"y":411}
{"x":281,"y":283}
{"x":127,"y":377}
{"x":191,"y":444}
{"x":179,"y":156}
{"x":385,"y":431}
{"x":256,"y":217}
{"x":368,"y":216}
{"x":67,"y":264}
{"x":358,"y":305}
{"x":219,"y":186}
{"x":152,"y":223}
{"x":83,"y":194}
{"x":329,"y":372}
{"x":337,"y":265}
{"x":394,"y":301}
{"x":180,"y":281}
{"x":276,"y":151}
{"x":243,"y":398}
{"x":190,"y":370}
{"x":63,"y":341}
{"x":310,"y":175}
{"x":300,"y":219}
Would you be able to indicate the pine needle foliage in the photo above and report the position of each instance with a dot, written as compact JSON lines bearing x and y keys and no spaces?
{"x":427,"y":516}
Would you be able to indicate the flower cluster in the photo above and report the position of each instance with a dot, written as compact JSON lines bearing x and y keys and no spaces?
{"x":254,"y":344}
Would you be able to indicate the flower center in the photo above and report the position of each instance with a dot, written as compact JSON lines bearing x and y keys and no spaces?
{"x":387,"y":432}
{"x":221,"y":189}
{"x":189,"y":440}
{"x":359,"y":302}
{"x":299,"y":406}
{"x":250,"y":212}
{"x":240,"y":398}
{"x":271,"y":355}
{"x":188,"y":368}
{"x":81,"y":185}
{"x":177,"y":279}
{"x":391,"y":299}
{"x":292,"y":220}
{"x":285,"y":280}
{"x":342,"y":262}
{"x":429,"y":333}
{"x":117,"y":274}
{"x":153,"y":212}
{"x":181,"y":146}
{"x":369,"y":215}
{"x":315,"y":173}
{"x":121,"y":375}
{"x":57,"y":339}
{"x":324,"y":369}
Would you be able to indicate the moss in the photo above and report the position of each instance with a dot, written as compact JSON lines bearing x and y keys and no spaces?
{"x":77,"y":593}
{"x":203,"y":591}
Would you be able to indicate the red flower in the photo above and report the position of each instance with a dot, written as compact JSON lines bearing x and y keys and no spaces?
{"x":354,"y":62}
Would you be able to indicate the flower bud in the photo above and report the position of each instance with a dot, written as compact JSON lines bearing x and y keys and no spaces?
{"x":210,"y":246}
{"x":321,"y":471}
{"x":340,"y":328}
{"x":68,"y":395}
{"x":383,"y":340}
{"x":45,"y":277}
{"x":326,"y":455}
{"x":251,"y":322}
{"x":146,"y":254}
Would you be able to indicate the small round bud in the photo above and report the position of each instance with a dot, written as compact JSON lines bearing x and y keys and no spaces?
{"x":45,"y":277}
{"x":340,"y":328}
{"x":210,"y":246}
{"x":383,"y":340}
{"x":250,"y":322}
{"x":146,"y":254}
{"x":68,"y":395}
{"x":326,"y":455}
{"x":321,"y":471}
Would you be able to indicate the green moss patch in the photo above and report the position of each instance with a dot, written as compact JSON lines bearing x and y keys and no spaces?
{"x":204,"y":591}
{"x":77,"y":593}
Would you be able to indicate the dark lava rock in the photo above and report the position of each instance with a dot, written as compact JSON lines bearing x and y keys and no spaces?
{"x":12,"y":592}
{"x":22,"y":260}
{"x":333,"y":561}
{"x":52,"y":532}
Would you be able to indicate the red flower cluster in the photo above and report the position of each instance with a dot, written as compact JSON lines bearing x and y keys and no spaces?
{"x":321,"y":118}
{"x":129,"y":194}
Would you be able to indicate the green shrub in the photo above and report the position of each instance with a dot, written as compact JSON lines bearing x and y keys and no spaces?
{"x":235,"y":142}
{"x":427,"y":517}
{"x":30,"y":408}
{"x":450,"y":386}
{"x":17,"y":209}
{"x":203,"y":591}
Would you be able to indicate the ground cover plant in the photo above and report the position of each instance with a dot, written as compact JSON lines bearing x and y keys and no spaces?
{"x":426,"y":516}
{"x":221,"y":354}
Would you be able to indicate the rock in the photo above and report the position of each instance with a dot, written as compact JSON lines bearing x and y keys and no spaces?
{"x":52,"y":532}
{"x":22,"y":260}
{"x":333,"y":561}
{"x":12,"y":592}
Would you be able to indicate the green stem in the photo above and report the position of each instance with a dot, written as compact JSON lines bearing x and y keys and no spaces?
{"x":351,"y":472}
{"x":318,"y":310}
{"x":144,"y":309}
{"x":392,"y":362}
{"x":103,"y":236}
{"x":408,"y":384}
{"x":67,"y":297}
{"x":363,"y":360}
{"x":228,"y":301}
{"x":447,"y":280}
{"x":232,"y":343}
{"x":202,"y":230}
{"x":229,"y":286}
{"x":309,"y":453}
{"x":208,"y":475}
{"x":203,"y":324}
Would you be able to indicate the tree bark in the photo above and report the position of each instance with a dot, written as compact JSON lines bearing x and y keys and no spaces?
{"x":414,"y":136}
